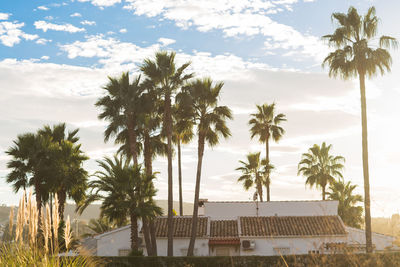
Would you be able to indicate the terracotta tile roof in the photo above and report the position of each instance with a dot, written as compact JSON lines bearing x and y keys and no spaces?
{"x":182,"y":226}
{"x":224,"y":241}
{"x":291,"y":226}
{"x":224,"y":228}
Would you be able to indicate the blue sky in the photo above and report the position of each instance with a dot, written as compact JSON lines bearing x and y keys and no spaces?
{"x":55,"y":57}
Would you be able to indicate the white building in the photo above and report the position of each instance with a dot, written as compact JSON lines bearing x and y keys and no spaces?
{"x":253,"y":228}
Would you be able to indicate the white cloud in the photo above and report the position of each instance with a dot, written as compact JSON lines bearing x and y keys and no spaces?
{"x":45,"y":57}
{"x":43,"y":41}
{"x":88,"y":22}
{"x":123,"y":30}
{"x":102,"y":3}
{"x":234,"y":18}
{"x":4,"y":16}
{"x":42,"y":8}
{"x":11,"y":33}
{"x":76,"y":14}
{"x":49,"y":17}
{"x":45,"y":26}
{"x":166,"y":41}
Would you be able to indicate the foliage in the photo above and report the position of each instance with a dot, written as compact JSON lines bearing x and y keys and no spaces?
{"x":125,"y":191}
{"x":200,"y":99}
{"x":266,"y":125}
{"x":99,"y":226}
{"x":319,"y":167}
{"x":359,"y":53}
{"x":252,"y":173}
{"x":348,"y":210}
{"x":334,"y":260}
{"x":51,"y":162}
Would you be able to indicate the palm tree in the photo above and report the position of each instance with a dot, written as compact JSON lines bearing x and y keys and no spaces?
{"x":252,"y":173}
{"x":120,"y":107}
{"x":99,"y":226}
{"x":201,"y":96}
{"x":265,"y":125}
{"x":69,"y":177}
{"x":182,"y":134}
{"x":125,"y":191}
{"x":167,"y":79}
{"x":357,"y":54}
{"x":348,"y":210}
{"x":31,"y":164}
{"x":320,"y":167}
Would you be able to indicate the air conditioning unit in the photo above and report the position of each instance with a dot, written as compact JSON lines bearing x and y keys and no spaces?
{"x":248,"y":244}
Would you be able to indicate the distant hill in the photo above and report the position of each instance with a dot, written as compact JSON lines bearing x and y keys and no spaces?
{"x":93,"y":211}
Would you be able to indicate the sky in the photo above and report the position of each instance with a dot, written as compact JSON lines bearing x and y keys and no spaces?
{"x":55,"y":57}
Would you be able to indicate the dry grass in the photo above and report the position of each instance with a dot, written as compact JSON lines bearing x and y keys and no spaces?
{"x":36,"y":241}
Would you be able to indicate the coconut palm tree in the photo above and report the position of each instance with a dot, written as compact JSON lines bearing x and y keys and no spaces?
{"x":69,"y":178}
{"x":265,"y":125}
{"x":120,"y":107}
{"x":348,"y":210}
{"x":201,"y":97}
{"x":182,"y":134}
{"x":252,"y":173}
{"x":320,"y":168}
{"x":167,"y":79}
{"x":125,"y":191}
{"x":358,"y":53}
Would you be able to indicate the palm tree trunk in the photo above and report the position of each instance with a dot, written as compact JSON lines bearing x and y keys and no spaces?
{"x":267,"y":182}
{"x":367,"y":199}
{"x":153,"y":237}
{"x":170,"y":222}
{"x":148,"y":225}
{"x":132,"y":140}
{"x":146,"y":235}
{"x":323,"y":192}
{"x":62,"y":197}
{"x":134,"y":232}
{"x":259,"y":191}
{"x":180,"y":177}
{"x":195,"y":217}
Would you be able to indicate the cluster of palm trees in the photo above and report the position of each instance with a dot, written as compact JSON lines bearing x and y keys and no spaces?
{"x":50,"y":161}
{"x":166,"y":105}
{"x":146,"y":115}
{"x":265,"y":124}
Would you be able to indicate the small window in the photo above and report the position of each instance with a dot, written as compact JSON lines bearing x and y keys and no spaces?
{"x":282,"y":251}
{"x":222,"y":252}
{"x":123,"y":252}
{"x":313,"y":252}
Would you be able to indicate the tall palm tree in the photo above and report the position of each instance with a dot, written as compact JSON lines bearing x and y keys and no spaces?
{"x":69,"y":177}
{"x":265,"y":125}
{"x":358,"y":54}
{"x":167,"y":78}
{"x":201,"y":96}
{"x":125,"y":191}
{"x":182,"y":134}
{"x":120,"y":107}
{"x":252,"y":173}
{"x":348,"y":210}
{"x":320,"y":167}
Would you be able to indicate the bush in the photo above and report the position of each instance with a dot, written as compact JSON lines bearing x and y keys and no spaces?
{"x":338,"y":260}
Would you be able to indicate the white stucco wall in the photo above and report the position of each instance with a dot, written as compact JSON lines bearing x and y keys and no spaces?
{"x":232,"y":210}
{"x":265,"y":246}
{"x":181,"y":245}
{"x":357,"y":237}
{"x":110,"y":243}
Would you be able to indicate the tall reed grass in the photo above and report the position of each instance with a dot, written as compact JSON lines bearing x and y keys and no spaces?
{"x":35,"y":242}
